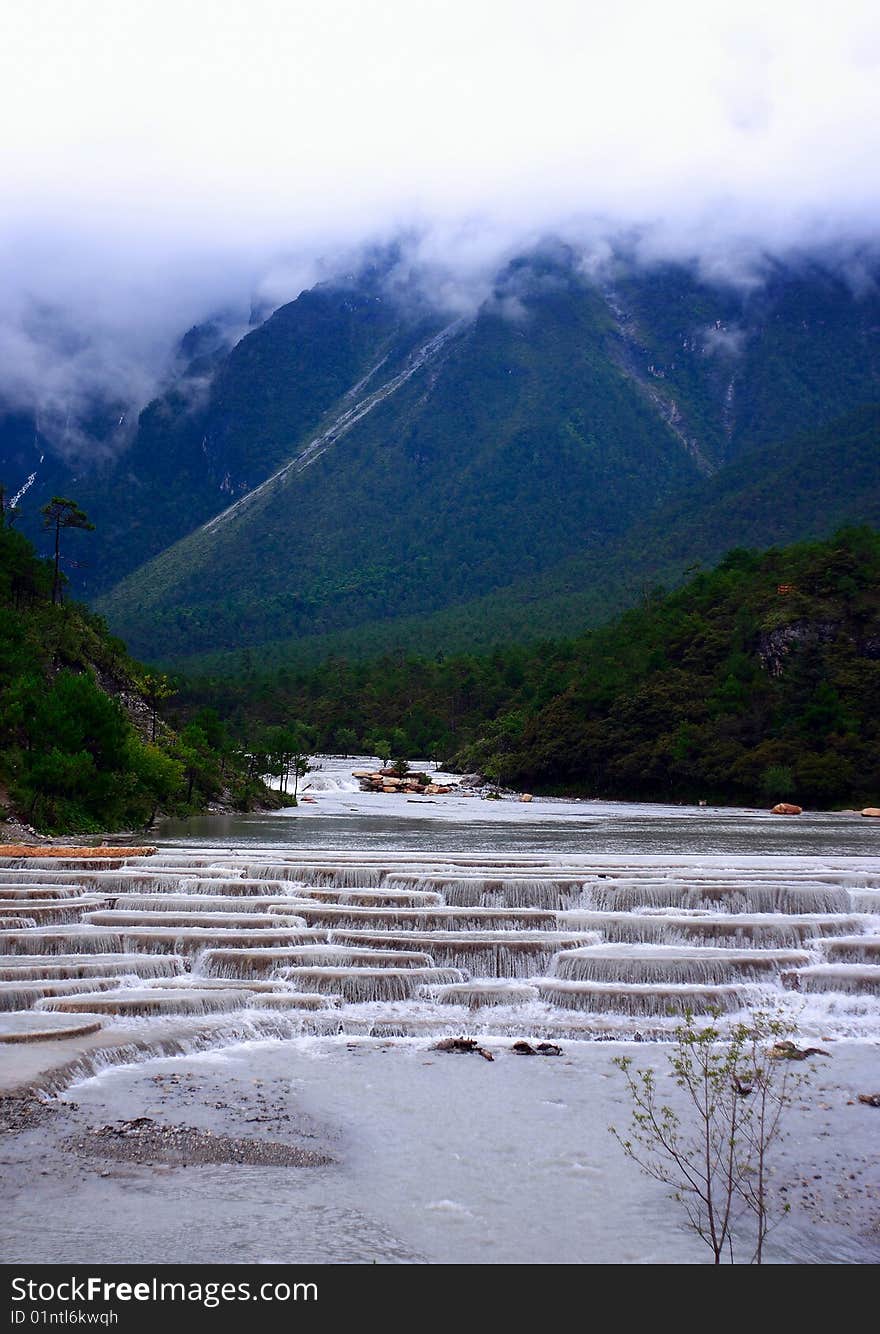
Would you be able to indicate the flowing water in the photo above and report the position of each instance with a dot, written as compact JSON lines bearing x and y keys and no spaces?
{"x":360,"y":919}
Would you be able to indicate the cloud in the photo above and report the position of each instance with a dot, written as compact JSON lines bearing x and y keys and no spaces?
{"x":180,"y":159}
{"x":719,"y":340}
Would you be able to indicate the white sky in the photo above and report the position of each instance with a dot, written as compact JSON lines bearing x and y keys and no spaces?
{"x":161,"y":156}
{"x":263,"y":109}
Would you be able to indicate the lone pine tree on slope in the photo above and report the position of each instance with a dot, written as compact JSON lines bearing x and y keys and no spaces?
{"x":62,"y":513}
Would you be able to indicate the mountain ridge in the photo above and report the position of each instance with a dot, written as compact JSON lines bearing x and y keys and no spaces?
{"x":551,"y":423}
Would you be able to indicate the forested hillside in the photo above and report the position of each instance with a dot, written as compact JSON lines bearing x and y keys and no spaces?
{"x":806,"y":487}
{"x":81,"y":746}
{"x":755,"y":682}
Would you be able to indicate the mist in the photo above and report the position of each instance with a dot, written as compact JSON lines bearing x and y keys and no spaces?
{"x":177,"y":162}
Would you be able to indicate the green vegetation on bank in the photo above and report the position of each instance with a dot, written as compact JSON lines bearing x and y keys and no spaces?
{"x":756,"y":682}
{"x":81,"y":748}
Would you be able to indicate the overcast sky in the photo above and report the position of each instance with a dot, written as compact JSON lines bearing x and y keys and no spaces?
{"x":163,"y":157}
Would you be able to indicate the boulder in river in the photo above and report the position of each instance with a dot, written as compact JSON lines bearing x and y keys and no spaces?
{"x":873,"y":811}
{"x":786,"y":808}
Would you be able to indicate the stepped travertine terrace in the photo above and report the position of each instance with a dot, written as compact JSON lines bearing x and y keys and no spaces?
{"x":404,"y":944}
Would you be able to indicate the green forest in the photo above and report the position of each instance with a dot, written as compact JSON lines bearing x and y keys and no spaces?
{"x":82,"y":748}
{"x":754,"y":683}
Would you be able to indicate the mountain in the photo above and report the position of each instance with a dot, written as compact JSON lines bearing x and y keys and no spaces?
{"x":360,"y":467}
{"x":227,"y":420}
{"x":808,"y":487}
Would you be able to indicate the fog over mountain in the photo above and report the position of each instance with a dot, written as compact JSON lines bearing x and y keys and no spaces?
{"x":240,"y":154}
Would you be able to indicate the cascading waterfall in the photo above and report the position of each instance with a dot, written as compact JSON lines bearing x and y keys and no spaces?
{"x":357,"y":983}
{"x":639,"y":999}
{"x":859,"y":978}
{"x":21,"y":995}
{"x":421,"y":919}
{"x":147,"y":1001}
{"x":226,"y":920}
{"x":34,"y":967}
{"x":190,"y":939}
{"x":476,"y":995}
{"x":368,"y":942}
{"x":50,"y":911}
{"x":370,"y":898}
{"x":852,"y":949}
{"x":733,"y":898}
{"x":742,"y":930}
{"x":491,"y":892}
{"x":479,"y":953}
{"x":51,"y":940}
{"x":627,"y":963}
{"x":339,"y":877}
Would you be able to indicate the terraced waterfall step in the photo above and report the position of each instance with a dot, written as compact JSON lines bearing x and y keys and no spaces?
{"x":131,"y":1002}
{"x":678,"y":964}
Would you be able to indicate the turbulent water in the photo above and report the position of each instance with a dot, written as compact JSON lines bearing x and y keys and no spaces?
{"x":365,"y":916}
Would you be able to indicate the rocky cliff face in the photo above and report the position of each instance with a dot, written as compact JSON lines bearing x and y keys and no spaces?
{"x":776,"y":646}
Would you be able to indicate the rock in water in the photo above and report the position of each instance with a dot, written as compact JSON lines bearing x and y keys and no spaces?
{"x":785,"y":1050}
{"x":786,"y":808}
{"x":464,"y":1045}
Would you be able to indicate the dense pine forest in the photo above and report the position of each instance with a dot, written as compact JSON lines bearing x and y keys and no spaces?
{"x":82,"y":748}
{"x":756,"y":682}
